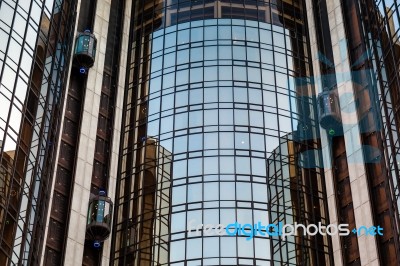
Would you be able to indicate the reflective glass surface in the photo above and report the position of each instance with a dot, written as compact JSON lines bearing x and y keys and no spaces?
{"x":386,"y":45}
{"x":226,"y":102}
{"x":377,"y":92}
{"x":33,"y":56}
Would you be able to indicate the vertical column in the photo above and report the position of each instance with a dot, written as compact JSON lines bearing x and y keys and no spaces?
{"x":357,"y":172}
{"x":329,"y":179}
{"x":117,"y":119}
{"x":84,"y":164}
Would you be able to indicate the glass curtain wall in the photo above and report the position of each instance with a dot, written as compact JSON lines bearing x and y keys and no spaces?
{"x":223,"y":88}
{"x":383,"y":51}
{"x":34,"y":50}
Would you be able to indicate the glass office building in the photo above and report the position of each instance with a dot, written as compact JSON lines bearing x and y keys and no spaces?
{"x":221,"y":85}
{"x":135,"y":132}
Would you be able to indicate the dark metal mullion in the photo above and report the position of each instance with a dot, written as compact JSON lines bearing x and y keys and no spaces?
{"x":124,"y":202}
{"x":317,"y":174}
{"x":119,"y":207}
{"x":173,"y":139}
{"x":299,"y":185}
{"x":278,"y":130}
{"x":203,"y":132}
{"x":235,"y":155}
{"x":249,"y":134}
{"x":139,"y":174}
{"x":321,"y":6}
{"x":269,"y":211}
{"x":153,"y":240}
{"x":115,"y":90}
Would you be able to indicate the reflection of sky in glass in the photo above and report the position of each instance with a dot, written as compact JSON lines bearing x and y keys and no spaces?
{"x":388,"y":7}
{"x":49,"y":7}
{"x":163,"y":65}
{"x":211,"y":78}
{"x":15,"y":55}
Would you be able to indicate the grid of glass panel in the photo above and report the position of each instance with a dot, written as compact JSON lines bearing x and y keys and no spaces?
{"x":33,"y":51}
{"x":221,"y":96}
{"x":389,"y":81}
{"x":383,"y":29}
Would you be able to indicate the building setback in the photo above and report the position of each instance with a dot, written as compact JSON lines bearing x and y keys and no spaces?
{"x":129,"y":130}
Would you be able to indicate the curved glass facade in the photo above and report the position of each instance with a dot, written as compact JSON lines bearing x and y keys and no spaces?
{"x":226,"y":101}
